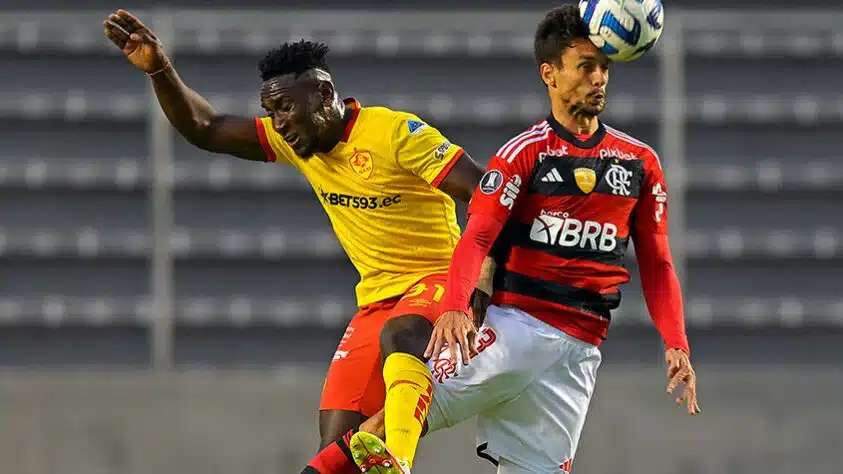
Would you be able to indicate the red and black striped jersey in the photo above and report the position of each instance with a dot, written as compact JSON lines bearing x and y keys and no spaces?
{"x":570,"y":207}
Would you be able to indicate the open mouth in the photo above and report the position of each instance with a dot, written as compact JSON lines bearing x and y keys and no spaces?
{"x":596,"y":99}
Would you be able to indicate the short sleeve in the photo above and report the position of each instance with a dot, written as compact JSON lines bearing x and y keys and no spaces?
{"x":422,"y":149}
{"x":650,"y":214}
{"x":504,"y":182}
{"x":274,"y":146}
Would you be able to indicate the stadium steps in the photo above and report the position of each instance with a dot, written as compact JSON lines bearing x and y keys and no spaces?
{"x":417,"y":33}
{"x":446,"y":108}
{"x":225,"y":174}
{"x":333,"y":312}
{"x":820,"y":244}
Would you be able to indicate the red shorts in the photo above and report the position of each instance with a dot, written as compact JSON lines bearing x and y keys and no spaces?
{"x":355,"y":377}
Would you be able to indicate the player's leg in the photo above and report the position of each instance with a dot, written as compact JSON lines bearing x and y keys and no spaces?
{"x":335,"y":430}
{"x":409,"y":386}
{"x":507,"y":358}
{"x":336,"y":457}
{"x":369,"y":450}
{"x":540,"y":430}
{"x":353,"y":391}
{"x":334,"y":424}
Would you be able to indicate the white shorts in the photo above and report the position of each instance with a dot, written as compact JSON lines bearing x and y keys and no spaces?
{"x":530,"y":386}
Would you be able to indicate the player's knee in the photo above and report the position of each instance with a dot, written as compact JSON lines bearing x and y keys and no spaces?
{"x":408,"y":334}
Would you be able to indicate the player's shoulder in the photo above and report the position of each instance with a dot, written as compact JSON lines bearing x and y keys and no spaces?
{"x":618,"y":144}
{"x":396,"y":120}
{"x":373,"y":128}
{"x":525,"y":144}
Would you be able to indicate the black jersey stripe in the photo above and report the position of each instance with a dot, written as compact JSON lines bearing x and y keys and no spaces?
{"x":579,"y":299}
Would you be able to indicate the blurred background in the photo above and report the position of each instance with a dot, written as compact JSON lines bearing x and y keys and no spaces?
{"x":166,"y":310}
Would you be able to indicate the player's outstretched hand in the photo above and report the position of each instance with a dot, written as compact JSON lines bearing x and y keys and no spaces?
{"x":140,"y":45}
{"x":679,"y":370}
{"x":457,"y":330}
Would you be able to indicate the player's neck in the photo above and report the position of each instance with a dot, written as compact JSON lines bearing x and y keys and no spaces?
{"x":577,"y":124}
{"x":337,"y":131}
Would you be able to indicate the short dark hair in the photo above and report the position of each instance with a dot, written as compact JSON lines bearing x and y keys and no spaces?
{"x":294,"y":58}
{"x":556,"y":31}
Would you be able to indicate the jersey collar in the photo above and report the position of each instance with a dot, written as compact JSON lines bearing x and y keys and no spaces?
{"x":352,"y":107}
{"x":569,"y":137}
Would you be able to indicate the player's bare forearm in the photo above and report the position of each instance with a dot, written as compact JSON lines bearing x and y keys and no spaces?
{"x":186,"y":110}
{"x":462,"y":179}
{"x":198,"y":122}
{"x":482,"y":295}
{"x":487,"y":273}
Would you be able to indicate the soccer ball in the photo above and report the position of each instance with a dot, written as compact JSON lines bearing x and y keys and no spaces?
{"x":623,"y":29}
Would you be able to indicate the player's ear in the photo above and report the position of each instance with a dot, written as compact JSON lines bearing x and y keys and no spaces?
{"x":546,"y":71}
{"x":326,"y":92}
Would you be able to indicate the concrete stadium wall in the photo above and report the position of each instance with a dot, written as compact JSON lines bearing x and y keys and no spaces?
{"x":755,"y":420}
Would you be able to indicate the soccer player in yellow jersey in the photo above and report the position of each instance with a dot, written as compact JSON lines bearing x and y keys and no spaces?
{"x":386,"y":180}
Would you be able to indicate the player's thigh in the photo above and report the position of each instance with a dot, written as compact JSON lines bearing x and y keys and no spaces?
{"x":510,"y":351}
{"x":540,"y":430}
{"x":354,"y":381}
{"x":411,"y":321}
{"x":423,"y":298}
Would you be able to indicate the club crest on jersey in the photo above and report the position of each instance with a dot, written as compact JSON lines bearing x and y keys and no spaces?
{"x":586,"y":179}
{"x":491,"y":181}
{"x":618,"y":178}
{"x":362,"y":163}
{"x":413,"y":126}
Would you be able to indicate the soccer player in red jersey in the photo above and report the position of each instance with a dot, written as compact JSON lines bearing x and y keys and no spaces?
{"x":560,"y":202}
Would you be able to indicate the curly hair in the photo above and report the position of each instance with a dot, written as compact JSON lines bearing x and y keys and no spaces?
{"x":294,"y":58}
{"x":556,"y":31}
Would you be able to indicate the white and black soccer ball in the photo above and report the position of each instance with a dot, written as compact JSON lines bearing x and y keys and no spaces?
{"x":623,"y":29}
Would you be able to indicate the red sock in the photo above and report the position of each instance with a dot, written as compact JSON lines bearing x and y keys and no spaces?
{"x":334,"y":459}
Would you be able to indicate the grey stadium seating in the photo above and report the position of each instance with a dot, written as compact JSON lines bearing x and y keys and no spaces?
{"x":759,"y":176}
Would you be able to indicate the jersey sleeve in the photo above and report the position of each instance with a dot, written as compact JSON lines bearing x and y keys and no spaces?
{"x":500,"y":187}
{"x":422,"y":149}
{"x":662,"y":290}
{"x":490,"y":208}
{"x":650,"y":215}
{"x":274,"y":146}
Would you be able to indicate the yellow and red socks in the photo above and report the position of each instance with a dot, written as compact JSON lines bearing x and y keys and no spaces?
{"x":334,"y":459}
{"x":409,"y":390}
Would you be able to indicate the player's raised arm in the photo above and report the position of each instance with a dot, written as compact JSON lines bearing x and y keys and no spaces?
{"x":194,"y":118}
